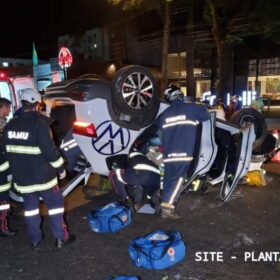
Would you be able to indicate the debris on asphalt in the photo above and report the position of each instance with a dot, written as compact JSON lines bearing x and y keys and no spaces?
{"x":245,"y":239}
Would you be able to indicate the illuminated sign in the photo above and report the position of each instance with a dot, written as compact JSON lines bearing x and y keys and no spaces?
{"x":65,"y":58}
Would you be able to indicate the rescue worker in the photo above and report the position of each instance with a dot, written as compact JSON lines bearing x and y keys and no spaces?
{"x":140,"y":174}
{"x":234,"y":106}
{"x":35,"y":163}
{"x":5,"y":109}
{"x":178,"y":125}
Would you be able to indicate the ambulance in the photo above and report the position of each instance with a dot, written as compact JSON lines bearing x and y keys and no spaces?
{"x":10,"y":88}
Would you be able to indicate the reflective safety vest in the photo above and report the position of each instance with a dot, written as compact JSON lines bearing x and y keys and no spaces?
{"x":33,"y":159}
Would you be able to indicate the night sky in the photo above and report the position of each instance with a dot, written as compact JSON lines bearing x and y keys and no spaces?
{"x":43,"y":21}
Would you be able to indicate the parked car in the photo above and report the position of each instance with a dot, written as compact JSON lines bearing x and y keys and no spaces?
{"x":108,"y":119}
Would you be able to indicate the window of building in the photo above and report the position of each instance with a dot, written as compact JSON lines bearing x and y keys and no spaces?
{"x":268,"y":80}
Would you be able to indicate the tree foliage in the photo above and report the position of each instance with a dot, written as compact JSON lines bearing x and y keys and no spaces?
{"x":223,"y":16}
{"x":266,"y":19}
{"x":139,"y":4}
{"x":162,"y":7}
{"x":230,"y":20}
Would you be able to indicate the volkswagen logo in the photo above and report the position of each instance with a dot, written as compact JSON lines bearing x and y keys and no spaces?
{"x":111,"y":139}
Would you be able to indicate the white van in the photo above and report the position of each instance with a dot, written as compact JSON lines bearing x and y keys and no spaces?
{"x":10,"y":88}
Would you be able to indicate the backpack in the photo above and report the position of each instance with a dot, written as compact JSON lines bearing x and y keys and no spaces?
{"x":157,"y":250}
{"x":110,"y":218}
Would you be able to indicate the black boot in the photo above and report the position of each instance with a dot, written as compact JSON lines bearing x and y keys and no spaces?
{"x":59,"y":243}
{"x":137,"y":194}
{"x":128,"y":202}
{"x":155,"y":202}
{"x":8,"y":233}
{"x":168,"y":212}
{"x":5,"y":231}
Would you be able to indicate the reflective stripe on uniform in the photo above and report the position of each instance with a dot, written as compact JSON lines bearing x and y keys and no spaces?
{"x":177,"y":188}
{"x":56,"y":211}
{"x":180,"y":123}
{"x":146,"y":167}
{"x":4,"y":166}
{"x":178,"y":159}
{"x":31,"y":213}
{"x":5,"y":187}
{"x":57,"y":163}
{"x":38,"y":187}
{"x":167,"y":205}
{"x":70,"y":142}
{"x":133,"y":154}
{"x":119,"y":176}
{"x":4,"y":207}
{"x":29,"y":150}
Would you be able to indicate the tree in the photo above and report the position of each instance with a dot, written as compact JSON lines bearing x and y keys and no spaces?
{"x":223,"y":15}
{"x":190,"y":51}
{"x":266,"y":19}
{"x":163,"y":8}
{"x":260,"y":17}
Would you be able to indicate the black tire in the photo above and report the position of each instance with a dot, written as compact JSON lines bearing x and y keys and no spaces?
{"x":269,"y":144}
{"x":249,"y":115}
{"x":130,"y":102}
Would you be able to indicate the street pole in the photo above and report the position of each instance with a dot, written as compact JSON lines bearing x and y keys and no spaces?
{"x":64,"y":71}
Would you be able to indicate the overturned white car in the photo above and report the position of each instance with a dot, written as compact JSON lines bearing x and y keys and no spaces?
{"x":107,"y":120}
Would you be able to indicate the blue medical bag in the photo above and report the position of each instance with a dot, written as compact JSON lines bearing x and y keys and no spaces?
{"x":110,"y":218}
{"x":157,"y":250}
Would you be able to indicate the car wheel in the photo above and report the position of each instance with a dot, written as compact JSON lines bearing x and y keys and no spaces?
{"x":267,"y":146}
{"x":135,"y":98}
{"x":247,"y":116}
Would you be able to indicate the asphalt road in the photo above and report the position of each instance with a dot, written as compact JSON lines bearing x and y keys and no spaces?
{"x":231,"y":238}
{"x":273,"y":123}
{"x":272,"y":118}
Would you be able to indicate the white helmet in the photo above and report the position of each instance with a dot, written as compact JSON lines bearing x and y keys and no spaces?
{"x":172,"y":93}
{"x":30,"y":95}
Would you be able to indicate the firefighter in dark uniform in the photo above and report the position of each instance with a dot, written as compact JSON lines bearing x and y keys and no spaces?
{"x":34,"y":164}
{"x":178,"y":125}
{"x":141,"y":174}
{"x":5,"y":231}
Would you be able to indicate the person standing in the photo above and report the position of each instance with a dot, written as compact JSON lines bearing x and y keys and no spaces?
{"x":220,"y":109}
{"x":257,"y":104}
{"x":34,"y":163}
{"x":234,"y":106}
{"x":5,"y":109}
{"x":5,"y":231}
{"x":178,"y":125}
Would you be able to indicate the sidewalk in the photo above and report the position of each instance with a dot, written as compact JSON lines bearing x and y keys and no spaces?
{"x":274,"y":112}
